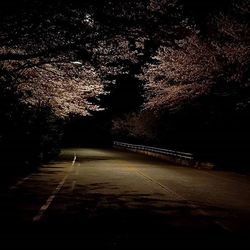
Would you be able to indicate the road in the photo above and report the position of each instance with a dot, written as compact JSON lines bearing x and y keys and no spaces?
{"x":106,"y":198}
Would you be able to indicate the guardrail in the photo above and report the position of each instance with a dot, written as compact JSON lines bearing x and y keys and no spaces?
{"x":176,"y":157}
{"x":163,"y":151}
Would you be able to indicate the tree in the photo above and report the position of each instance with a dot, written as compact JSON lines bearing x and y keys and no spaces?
{"x":197,"y":65}
{"x":197,"y":88}
{"x":180,"y":74}
{"x":84,"y":33}
{"x":46,"y":75}
{"x":51,"y":68}
{"x":136,"y":127}
{"x":28,"y":135}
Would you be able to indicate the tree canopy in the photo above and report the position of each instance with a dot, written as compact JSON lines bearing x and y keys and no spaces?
{"x":77,"y":57}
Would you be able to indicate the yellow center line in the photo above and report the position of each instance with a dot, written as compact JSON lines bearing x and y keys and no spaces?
{"x":180,"y":197}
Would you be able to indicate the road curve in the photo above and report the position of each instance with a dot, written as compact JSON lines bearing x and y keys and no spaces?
{"x":109,"y":198}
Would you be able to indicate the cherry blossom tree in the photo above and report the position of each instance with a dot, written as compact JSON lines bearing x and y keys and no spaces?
{"x":196,"y":65}
{"x":179,"y":74}
{"x":83,"y":34}
{"x":135,"y":126}
{"x":66,"y":88}
{"x":232,"y":42}
{"x":46,"y":74}
{"x":203,"y":74}
{"x":45,"y":52}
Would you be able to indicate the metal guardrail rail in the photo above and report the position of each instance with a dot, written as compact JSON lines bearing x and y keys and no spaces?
{"x":161,"y":151}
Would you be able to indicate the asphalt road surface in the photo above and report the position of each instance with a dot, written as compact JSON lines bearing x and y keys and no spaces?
{"x":110,"y":199}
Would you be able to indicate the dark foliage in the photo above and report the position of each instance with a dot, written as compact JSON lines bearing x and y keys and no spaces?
{"x":28,"y":135}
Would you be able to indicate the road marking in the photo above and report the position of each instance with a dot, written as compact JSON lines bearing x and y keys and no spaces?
{"x":74,"y":160}
{"x":77,"y":169}
{"x":73,"y":185}
{"x":180,"y":197}
{"x":21,"y":182}
{"x":29,"y":176}
{"x":48,"y":202}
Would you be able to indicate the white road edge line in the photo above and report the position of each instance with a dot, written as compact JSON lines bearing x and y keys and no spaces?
{"x":21,"y":182}
{"x":74,"y":160}
{"x":48,"y":202}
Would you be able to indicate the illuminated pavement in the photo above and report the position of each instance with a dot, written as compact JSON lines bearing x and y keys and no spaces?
{"x":109,"y":198}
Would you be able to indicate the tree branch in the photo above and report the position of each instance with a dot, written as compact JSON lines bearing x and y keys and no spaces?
{"x":48,"y":52}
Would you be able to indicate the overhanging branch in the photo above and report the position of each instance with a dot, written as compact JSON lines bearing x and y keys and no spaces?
{"x":50,"y":52}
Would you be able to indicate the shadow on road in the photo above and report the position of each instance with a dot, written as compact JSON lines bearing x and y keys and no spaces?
{"x":105,"y":222}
